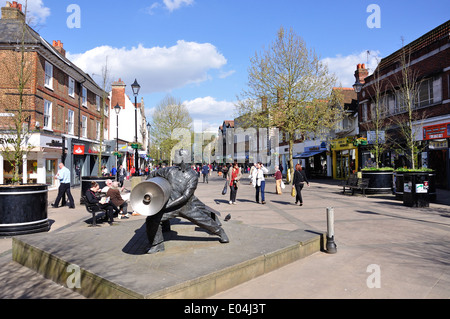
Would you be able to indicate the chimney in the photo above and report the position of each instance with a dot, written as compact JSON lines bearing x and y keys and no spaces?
{"x":13,"y":11}
{"x":118,"y":94}
{"x":59,"y":46}
{"x":361,"y":73}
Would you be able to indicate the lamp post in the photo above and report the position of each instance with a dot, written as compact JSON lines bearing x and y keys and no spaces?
{"x":149,"y":126}
{"x":136,"y":87}
{"x":117,"y":108}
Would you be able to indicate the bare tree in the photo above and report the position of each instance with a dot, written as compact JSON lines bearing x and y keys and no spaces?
{"x":106,"y":83}
{"x":379,"y":110}
{"x":291,"y":89}
{"x":407,"y":86}
{"x":14,"y":144}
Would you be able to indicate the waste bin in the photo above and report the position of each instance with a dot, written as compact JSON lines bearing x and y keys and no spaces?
{"x":416,"y":189}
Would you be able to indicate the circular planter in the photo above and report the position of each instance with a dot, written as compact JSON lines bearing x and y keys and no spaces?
{"x":86,"y":183}
{"x":23,"y":209}
{"x":380,"y":182}
{"x":398,"y":185}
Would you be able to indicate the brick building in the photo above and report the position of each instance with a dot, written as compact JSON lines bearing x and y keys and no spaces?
{"x":429,"y":61}
{"x":63,"y":104}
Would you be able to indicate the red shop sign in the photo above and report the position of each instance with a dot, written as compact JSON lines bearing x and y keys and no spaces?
{"x":78,"y":149}
{"x":436,"y":131}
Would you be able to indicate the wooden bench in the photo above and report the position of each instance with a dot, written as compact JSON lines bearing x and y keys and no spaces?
{"x":92,"y":209}
{"x":353,"y":183}
{"x":349,"y":183}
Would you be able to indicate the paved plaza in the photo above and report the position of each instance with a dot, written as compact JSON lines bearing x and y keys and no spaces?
{"x":384,"y":249}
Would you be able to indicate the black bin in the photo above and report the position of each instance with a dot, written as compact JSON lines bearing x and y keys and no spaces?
{"x":416,"y":192}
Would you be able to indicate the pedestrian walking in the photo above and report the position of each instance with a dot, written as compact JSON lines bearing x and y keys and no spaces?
{"x":259,"y":181}
{"x":278,"y":180}
{"x":234,"y":175}
{"x":122,"y":174}
{"x":298,"y":182}
{"x":64,"y":187}
{"x":205,"y":172}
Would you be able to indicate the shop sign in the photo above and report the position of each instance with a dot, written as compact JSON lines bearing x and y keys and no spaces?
{"x":372,"y":137}
{"x":438,"y":144}
{"x":78,"y":149}
{"x":436,"y":131}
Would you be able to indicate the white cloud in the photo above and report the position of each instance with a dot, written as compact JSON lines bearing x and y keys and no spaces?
{"x":170,"y":5}
{"x":36,"y":11}
{"x":176,"y":4}
{"x":345,"y":66}
{"x":158,"y":69}
{"x":206,"y":106}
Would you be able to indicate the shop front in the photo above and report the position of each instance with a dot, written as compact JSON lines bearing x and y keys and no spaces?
{"x":315,"y":158}
{"x":437,"y":155}
{"x":345,"y":157}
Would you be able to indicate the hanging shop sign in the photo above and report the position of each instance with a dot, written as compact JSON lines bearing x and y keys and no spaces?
{"x":436,"y":131}
{"x":78,"y":149}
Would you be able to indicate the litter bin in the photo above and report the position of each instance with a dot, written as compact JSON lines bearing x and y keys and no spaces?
{"x":416,"y":189}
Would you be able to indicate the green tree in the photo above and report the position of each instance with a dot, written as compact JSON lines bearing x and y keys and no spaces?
{"x":291,"y":89}
{"x":169,"y":119}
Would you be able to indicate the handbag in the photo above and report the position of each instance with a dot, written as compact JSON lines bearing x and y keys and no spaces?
{"x":293,"y":192}
{"x":224,"y":191}
{"x":282,"y":185}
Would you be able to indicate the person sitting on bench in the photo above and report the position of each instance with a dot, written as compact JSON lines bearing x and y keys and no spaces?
{"x":109,"y":207}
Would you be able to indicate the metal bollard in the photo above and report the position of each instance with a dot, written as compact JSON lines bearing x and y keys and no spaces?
{"x":331,"y":245}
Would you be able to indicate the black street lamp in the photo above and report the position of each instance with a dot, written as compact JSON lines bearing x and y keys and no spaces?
{"x":117,"y":108}
{"x":135,"y":87}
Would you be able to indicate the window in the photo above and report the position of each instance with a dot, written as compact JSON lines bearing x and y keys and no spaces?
{"x":48,"y":75}
{"x":425,"y":93}
{"x":364,"y":112}
{"x":84,"y":96}
{"x":70,"y":123}
{"x":97,"y":131}
{"x":47,"y":115}
{"x":97,"y":102}
{"x":71,"y":87}
{"x":106,"y":110}
{"x":84,"y":126}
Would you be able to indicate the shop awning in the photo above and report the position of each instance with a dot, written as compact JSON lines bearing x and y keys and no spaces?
{"x":308,"y":154}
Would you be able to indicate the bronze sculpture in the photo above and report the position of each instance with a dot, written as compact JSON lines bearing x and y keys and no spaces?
{"x":181,"y":202}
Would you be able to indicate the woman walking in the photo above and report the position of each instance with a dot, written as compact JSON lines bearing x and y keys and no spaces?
{"x":278,"y":180}
{"x":234,"y":175}
{"x":298,"y":183}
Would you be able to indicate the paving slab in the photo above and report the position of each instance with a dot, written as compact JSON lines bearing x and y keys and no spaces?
{"x":111,"y":262}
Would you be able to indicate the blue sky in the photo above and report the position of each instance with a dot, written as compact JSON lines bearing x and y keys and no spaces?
{"x":199,"y":50}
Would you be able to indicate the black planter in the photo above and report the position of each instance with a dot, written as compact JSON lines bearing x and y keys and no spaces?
{"x":23,"y":209}
{"x":380,"y":182}
{"x":86,"y":183}
{"x":419,"y":188}
{"x":398,"y":185}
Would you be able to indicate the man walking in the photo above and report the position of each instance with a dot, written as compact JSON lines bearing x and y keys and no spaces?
{"x":122,"y":174}
{"x":205,"y":172}
{"x":64,"y":187}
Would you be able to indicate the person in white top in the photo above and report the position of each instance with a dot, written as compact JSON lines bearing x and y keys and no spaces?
{"x":258,"y":181}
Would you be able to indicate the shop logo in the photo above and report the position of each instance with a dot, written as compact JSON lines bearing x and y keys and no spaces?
{"x":78,"y":149}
